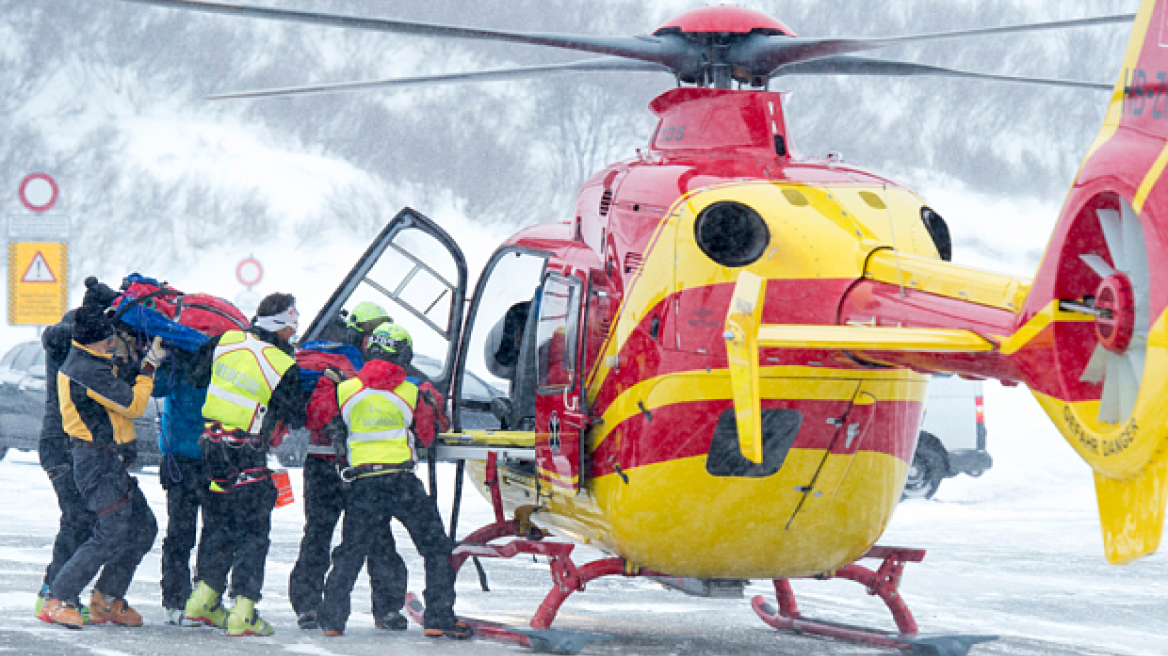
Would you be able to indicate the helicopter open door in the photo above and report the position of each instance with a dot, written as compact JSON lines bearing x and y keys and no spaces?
{"x":417,"y":273}
{"x":560,"y":418}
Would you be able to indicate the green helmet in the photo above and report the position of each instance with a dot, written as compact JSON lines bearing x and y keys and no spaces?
{"x":392,"y":342}
{"x":367,"y":316}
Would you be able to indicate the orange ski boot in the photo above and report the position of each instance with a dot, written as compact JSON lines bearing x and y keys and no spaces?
{"x":103,"y":609}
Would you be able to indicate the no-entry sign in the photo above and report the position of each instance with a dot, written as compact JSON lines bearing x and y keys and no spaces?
{"x":249,"y":272}
{"x":38,"y":192}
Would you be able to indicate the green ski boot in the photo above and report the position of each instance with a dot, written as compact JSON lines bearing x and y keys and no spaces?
{"x":205,"y":606}
{"x":41,"y":596}
{"x":243,"y":620}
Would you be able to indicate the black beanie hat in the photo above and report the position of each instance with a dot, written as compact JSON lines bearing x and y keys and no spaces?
{"x":98,"y":293}
{"x":90,"y":325}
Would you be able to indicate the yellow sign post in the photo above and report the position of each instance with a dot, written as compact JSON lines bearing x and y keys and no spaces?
{"x":38,"y":283}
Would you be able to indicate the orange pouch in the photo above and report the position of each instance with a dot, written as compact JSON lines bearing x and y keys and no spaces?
{"x":283,"y":484}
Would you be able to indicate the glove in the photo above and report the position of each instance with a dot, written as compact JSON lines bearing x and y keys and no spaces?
{"x":156,"y":354}
{"x":123,"y":345}
{"x":128,"y":453}
{"x":339,"y":434}
{"x":335,"y":375}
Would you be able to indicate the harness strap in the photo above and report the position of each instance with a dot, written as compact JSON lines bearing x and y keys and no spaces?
{"x":216,"y":434}
{"x":350,"y":474}
{"x":121,"y":501}
{"x":245,"y":477}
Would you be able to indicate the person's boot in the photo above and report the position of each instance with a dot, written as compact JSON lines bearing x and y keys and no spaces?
{"x":307,"y":620}
{"x":103,"y":609}
{"x":456,"y":629}
{"x":391,"y":622}
{"x":205,"y":606}
{"x":41,"y":596}
{"x":56,"y":611}
{"x":243,"y":620}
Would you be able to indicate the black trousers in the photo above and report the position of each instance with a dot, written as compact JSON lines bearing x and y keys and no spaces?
{"x":186,"y":492}
{"x":372,"y":503}
{"x":324,"y":501}
{"x":236,"y":527}
{"x":76,"y":520}
{"x":123,"y":534}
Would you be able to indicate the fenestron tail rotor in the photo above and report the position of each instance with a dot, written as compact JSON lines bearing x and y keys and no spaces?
{"x":711,"y":46}
{"x":1121,"y":309}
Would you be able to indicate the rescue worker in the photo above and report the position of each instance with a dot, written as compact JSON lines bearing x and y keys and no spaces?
{"x":98,"y":411}
{"x":182,"y":476}
{"x":253,"y":397}
{"x":324,"y":491}
{"x":55,"y":453}
{"x":373,"y":439}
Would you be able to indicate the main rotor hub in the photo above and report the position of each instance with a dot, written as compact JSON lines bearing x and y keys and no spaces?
{"x":1118,"y":297}
{"x":723,"y":20}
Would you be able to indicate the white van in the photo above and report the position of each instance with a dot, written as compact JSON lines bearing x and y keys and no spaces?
{"x":953,"y":436}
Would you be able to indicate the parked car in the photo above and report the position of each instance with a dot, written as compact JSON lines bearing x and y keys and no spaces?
{"x":294,"y":449}
{"x":953,"y":436}
{"x":22,"y":406}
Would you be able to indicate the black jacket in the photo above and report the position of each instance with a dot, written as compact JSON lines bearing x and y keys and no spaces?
{"x":96,"y":405}
{"x":54,"y":443}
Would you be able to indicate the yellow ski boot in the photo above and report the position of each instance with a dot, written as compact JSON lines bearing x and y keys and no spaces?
{"x":243,"y":620}
{"x":205,"y":606}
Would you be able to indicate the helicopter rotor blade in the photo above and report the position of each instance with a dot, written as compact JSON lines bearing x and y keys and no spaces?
{"x":759,"y":54}
{"x":644,"y":48}
{"x":847,"y":65}
{"x":1098,"y":265}
{"x":1112,"y":226}
{"x":495,"y":75}
{"x":766,"y":54}
{"x":1135,"y":255}
{"x":1096,"y":367}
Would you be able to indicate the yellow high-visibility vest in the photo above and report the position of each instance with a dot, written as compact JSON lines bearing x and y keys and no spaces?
{"x":245,"y":372}
{"x":379,"y":422}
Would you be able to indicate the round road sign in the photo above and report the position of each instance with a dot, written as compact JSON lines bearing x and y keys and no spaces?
{"x":38,"y":192}
{"x":249,"y":272}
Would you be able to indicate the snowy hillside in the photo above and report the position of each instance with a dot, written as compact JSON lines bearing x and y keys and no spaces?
{"x":110,"y":98}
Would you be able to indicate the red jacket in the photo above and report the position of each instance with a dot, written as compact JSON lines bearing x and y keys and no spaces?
{"x":378,"y":375}
{"x":322,"y":405}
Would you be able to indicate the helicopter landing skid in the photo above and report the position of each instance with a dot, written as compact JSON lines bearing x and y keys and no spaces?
{"x":542,"y":640}
{"x":882,"y":583}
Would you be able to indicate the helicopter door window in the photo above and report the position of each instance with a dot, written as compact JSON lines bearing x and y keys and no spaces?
{"x":414,"y":285}
{"x":557,"y":334}
{"x":497,"y":389}
{"x":417,"y":275}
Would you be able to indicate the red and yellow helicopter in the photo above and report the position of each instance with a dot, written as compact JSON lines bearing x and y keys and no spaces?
{"x":715,"y":370}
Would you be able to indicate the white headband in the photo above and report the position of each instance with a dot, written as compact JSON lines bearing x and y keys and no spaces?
{"x":289,"y":317}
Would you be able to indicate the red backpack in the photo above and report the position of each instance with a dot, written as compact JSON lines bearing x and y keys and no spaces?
{"x":209,"y":314}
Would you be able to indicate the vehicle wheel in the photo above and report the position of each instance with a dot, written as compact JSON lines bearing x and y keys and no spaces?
{"x":927,"y":469}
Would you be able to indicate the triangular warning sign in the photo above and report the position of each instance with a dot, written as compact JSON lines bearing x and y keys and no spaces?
{"x":38,"y":271}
